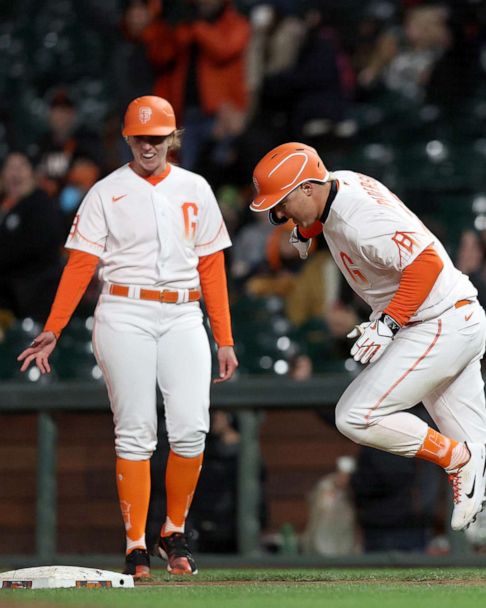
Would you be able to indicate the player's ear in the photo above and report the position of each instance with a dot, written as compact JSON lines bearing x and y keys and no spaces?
{"x":306,"y":188}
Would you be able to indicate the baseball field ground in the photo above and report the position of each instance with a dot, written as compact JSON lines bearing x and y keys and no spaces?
{"x":259,"y":588}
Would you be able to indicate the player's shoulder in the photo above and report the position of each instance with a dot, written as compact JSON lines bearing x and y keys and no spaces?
{"x":353,"y":179}
{"x":345,"y":174}
{"x":123,"y":173}
{"x":361,"y":200}
{"x":186,"y":176}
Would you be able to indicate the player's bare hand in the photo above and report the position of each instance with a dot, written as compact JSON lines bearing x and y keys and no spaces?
{"x":227,"y":363}
{"x":38,"y":352}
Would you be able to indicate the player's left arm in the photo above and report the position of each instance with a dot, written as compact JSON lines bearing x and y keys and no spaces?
{"x":416,"y":282}
{"x":214,"y":287}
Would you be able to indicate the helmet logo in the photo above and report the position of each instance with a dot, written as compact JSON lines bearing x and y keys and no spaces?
{"x":144,"y":114}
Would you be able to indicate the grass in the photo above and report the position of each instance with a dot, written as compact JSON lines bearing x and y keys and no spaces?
{"x":259,"y":588}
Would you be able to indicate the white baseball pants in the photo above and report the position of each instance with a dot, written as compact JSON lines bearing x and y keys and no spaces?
{"x":140,"y":343}
{"x":436,"y":362}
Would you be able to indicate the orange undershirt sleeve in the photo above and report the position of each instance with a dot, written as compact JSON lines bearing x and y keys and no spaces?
{"x":215,"y":292}
{"x":74,"y":281}
{"x":313,"y":230}
{"x":415,"y":285}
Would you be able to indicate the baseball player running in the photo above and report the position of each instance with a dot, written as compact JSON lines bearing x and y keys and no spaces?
{"x":157,"y":232}
{"x":426,"y":333}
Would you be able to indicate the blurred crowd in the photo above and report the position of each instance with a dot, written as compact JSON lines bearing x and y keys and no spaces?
{"x":393,"y":88}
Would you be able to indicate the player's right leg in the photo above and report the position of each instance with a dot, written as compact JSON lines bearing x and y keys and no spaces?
{"x":420,"y":360}
{"x":459,"y":410}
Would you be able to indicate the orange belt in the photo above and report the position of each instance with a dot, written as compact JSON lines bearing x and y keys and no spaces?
{"x":166,"y":296}
{"x":461,"y":303}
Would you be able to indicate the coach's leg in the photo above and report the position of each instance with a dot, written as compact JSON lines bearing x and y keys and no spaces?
{"x":127,"y":358}
{"x":184,"y":375}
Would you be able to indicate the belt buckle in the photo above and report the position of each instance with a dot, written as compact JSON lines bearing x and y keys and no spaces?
{"x":161,"y":294}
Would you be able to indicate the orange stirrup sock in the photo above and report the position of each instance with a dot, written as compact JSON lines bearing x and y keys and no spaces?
{"x":181,"y":479}
{"x":446,"y":452}
{"x":133,"y":483}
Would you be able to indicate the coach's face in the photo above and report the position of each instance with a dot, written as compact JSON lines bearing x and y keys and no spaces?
{"x":149,"y":153}
{"x":302,"y":205}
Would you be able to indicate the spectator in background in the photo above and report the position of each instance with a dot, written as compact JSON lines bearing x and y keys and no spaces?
{"x":315,"y":91}
{"x":201,"y":71}
{"x":31,"y":238}
{"x":133,"y":74}
{"x":249,"y":254}
{"x":471,"y":261}
{"x":315,"y":290}
{"x":454,"y":75}
{"x":276,"y":37}
{"x":404,"y":57}
{"x":331,"y":527}
{"x":377,"y":18}
{"x":214,"y":510}
{"x":277,"y":276}
{"x":82,"y":175}
{"x":65,"y":141}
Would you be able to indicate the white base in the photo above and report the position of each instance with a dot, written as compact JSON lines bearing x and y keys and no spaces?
{"x":56,"y":577}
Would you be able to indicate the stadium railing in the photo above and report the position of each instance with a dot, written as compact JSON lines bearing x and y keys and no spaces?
{"x":246,"y":398}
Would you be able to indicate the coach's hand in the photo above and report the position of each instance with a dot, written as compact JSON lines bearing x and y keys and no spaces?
{"x":39,"y":351}
{"x":302,"y":245}
{"x":227,"y":363}
{"x":373,"y":338}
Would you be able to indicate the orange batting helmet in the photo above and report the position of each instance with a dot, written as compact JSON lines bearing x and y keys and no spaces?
{"x":149,"y":115}
{"x":282,"y":170}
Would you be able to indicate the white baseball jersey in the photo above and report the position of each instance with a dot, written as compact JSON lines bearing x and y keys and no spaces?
{"x":150,"y":235}
{"x":373,"y":237}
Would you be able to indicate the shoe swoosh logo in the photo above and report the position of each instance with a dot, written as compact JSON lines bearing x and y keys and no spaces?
{"x":467,"y":317}
{"x":470,"y":494}
{"x":117,"y":198}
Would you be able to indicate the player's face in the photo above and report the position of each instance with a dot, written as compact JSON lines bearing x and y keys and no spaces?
{"x":149,"y":153}
{"x":299,"y":206}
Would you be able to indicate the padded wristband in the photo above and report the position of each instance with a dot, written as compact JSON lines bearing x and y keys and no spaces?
{"x":392,"y":325}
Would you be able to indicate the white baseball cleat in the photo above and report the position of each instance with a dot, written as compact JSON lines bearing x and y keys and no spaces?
{"x":468,"y":486}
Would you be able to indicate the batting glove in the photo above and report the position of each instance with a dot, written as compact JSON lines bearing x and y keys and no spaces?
{"x":302,"y":245}
{"x":373,"y":339}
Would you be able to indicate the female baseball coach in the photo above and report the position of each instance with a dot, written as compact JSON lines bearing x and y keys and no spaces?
{"x":157,"y":234}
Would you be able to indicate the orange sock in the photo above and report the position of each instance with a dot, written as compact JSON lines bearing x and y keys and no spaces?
{"x":181,"y":479}
{"x":133,"y":483}
{"x":446,"y":452}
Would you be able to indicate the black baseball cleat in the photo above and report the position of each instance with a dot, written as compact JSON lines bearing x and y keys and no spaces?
{"x":137,"y":563}
{"x":174,"y":549}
